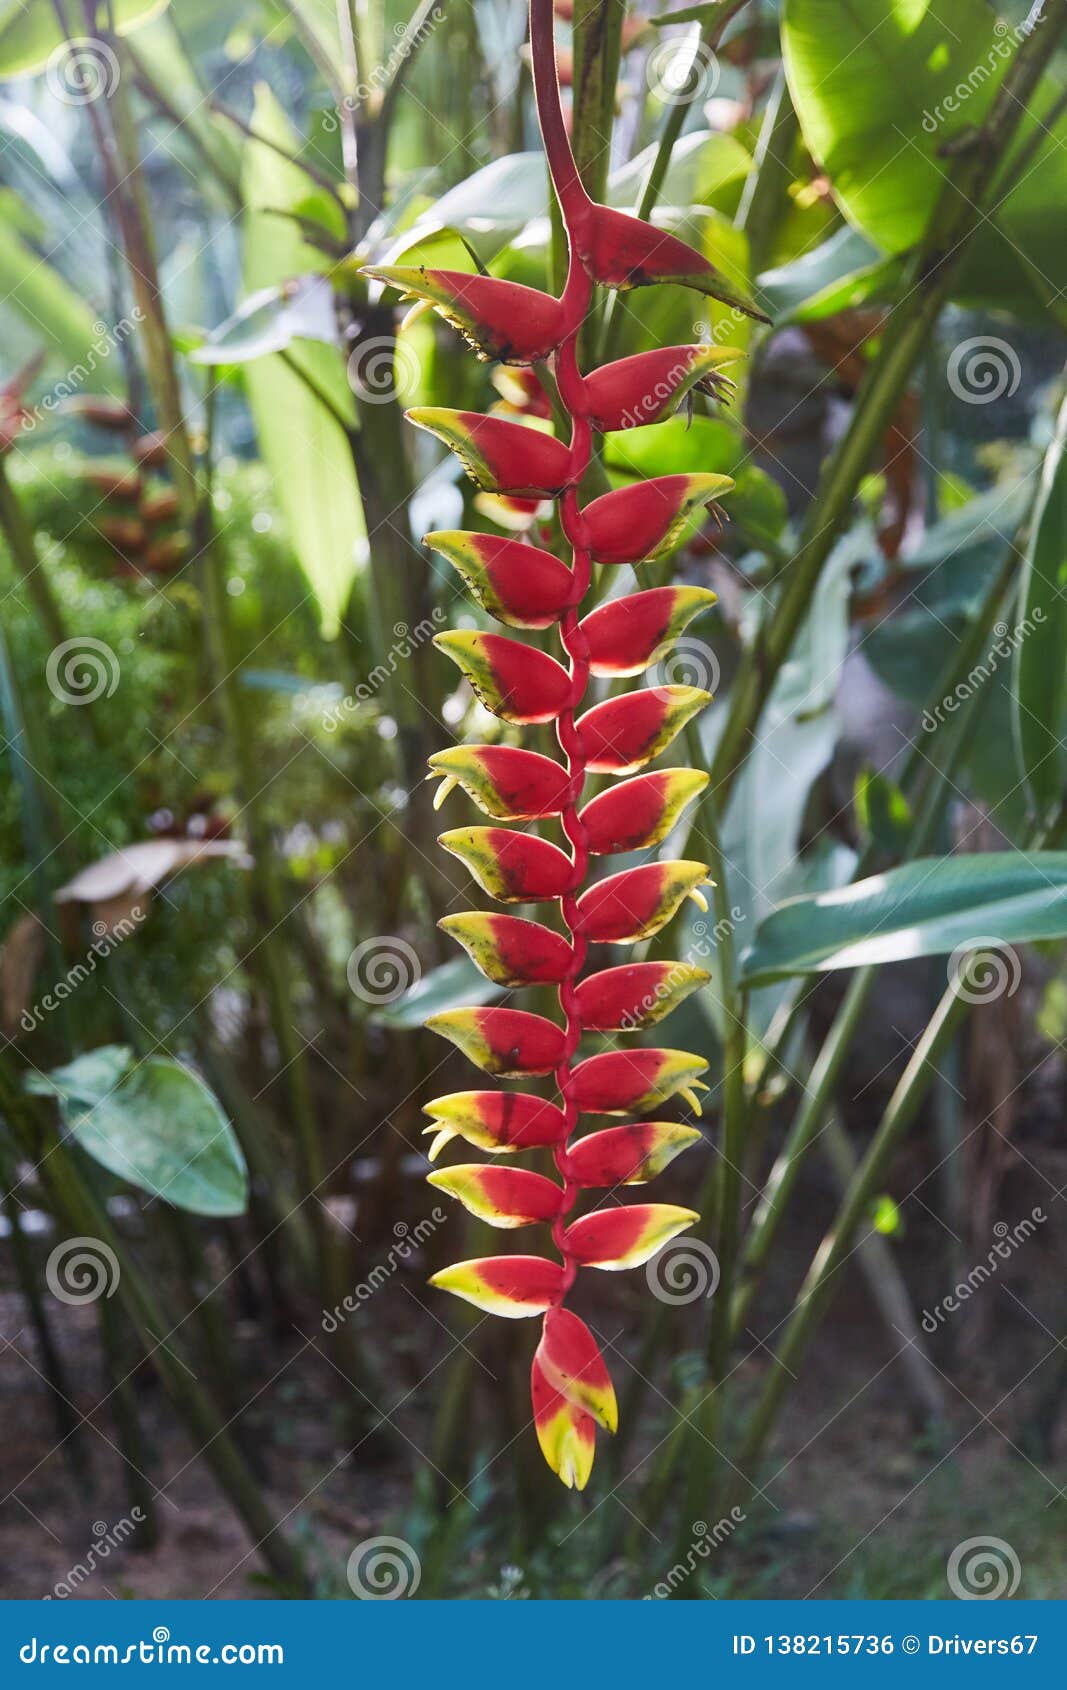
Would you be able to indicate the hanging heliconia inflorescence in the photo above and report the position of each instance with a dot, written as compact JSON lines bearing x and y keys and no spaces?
{"x":524,"y":586}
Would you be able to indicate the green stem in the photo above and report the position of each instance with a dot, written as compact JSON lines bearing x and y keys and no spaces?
{"x":22,"y":546}
{"x":828,"y":1064}
{"x":765,"y":197}
{"x":818,"y":1286}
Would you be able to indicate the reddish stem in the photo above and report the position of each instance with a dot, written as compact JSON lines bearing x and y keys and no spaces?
{"x":575,"y":206}
{"x":574,"y":202}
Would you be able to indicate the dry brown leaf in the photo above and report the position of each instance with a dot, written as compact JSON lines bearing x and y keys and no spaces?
{"x":136,"y":869}
{"x":20,"y":959}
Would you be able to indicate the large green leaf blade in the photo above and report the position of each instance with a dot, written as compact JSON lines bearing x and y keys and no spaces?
{"x":1040,"y":635}
{"x":153,"y":1123}
{"x":59,"y":317}
{"x":929,"y":907}
{"x":881,"y":86}
{"x":300,"y":437}
{"x":30,"y":31}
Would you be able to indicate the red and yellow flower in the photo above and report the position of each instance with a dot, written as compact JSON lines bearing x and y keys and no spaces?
{"x":517,"y":465}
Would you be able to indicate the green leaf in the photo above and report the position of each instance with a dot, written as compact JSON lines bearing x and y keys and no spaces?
{"x":701,"y":164}
{"x":300,"y":440}
{"x":1040,"y":634}
{"x":59,"y":317}
{"x":455,"y":985}
{"x":153,"y":1123}
{"x":488,"y":209}
{"x":268,"y":321}
{"x":30,"y":32}
{"x":880,"y":87}
{"x":928,"y":907}
{"x":841,"y":273}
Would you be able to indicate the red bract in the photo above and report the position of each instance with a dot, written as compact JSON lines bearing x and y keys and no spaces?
{"x":500,"y":457}
{"x":520,"y":585}
{"x":649,"y":388}
{"x":622,"y":252}
{"x":626,"y":635}
{"x":526,"y":587}
{"x":642,"y":523}
{"x":500,"y":319}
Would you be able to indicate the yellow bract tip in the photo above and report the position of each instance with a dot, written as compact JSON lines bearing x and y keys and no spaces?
{"x":447,"y":785}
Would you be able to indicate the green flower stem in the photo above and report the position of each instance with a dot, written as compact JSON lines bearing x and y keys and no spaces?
{"x":765,"y":199}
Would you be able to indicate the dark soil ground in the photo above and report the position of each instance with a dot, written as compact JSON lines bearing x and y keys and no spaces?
{"x":859,"y":1499}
